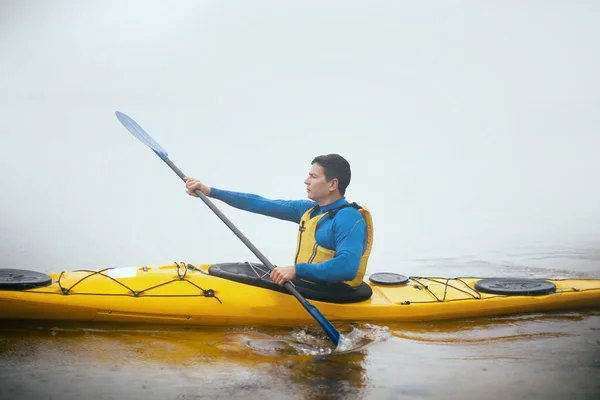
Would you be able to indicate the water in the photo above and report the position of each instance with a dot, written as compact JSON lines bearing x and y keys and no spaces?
{"x":471,"y":128}
{"x":551,"y":355}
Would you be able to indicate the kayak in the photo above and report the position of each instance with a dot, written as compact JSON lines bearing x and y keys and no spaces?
{"x":241,"y":293}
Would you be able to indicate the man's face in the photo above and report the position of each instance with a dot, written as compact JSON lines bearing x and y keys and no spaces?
{"x":317,"y":187}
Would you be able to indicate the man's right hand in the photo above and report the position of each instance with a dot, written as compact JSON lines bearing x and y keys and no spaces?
{"x":192,"y":184}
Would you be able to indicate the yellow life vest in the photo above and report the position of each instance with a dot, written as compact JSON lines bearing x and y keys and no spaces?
{"x":308,"y":250}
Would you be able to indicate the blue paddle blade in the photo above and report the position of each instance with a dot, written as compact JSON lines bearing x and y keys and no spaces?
{"x":141,"y":134}
{"x":329,"y":329}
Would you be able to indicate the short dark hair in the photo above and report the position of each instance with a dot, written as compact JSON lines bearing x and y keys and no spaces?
{"x":335,"y":167}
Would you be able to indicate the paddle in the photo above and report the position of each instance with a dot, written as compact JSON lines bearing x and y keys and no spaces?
{"x":143,"y":136}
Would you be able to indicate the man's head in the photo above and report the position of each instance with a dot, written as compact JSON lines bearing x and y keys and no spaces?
{"x":328,"y":177}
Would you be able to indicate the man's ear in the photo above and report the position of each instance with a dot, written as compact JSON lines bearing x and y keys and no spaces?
{"x":333,"y":184}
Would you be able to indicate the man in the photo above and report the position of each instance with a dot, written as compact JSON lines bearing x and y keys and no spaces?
{"x":334,"y":237}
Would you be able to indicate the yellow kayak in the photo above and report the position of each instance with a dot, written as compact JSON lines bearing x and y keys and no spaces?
{"x":243,"y":294}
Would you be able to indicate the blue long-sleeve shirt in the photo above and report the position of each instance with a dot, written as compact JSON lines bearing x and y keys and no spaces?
{"x":345,"y":233}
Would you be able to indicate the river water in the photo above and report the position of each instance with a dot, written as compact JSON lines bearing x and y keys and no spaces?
{"x":545,"y":356}
{"x":471,"y":128}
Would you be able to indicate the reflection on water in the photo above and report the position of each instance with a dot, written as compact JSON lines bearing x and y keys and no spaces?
{"x":504,"y":328}
{"x":145,"y":357}
{"x":541,"y":356}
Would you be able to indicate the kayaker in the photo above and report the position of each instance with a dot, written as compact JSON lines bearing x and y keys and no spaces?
{"x":334,"y":237}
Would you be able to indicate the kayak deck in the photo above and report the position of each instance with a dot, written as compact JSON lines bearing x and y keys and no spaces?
{"x":188,"y":294}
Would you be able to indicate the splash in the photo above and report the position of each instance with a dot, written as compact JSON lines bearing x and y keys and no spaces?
{"x":311,"y":342}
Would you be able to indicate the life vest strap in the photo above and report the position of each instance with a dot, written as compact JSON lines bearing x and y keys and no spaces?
{"x":331,"y":213}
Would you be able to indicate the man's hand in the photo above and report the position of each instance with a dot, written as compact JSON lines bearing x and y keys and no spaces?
{"x":281,"y":275}
{"x":192,"y":184}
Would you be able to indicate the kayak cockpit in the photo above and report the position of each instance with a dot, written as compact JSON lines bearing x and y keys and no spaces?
{"x":258,"y":275}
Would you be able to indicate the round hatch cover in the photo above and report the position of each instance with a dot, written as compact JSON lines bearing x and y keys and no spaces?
{"x":20,"y":279}
{"x":515,"y":286}
{"x":388,"y":278}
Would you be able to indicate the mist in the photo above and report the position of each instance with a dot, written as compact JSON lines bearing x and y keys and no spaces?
{"x":471,"y":127}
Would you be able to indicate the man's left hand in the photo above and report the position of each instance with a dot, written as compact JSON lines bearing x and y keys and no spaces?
{"x":281,"y":275}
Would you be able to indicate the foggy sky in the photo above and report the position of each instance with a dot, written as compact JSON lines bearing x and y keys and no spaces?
{"x":471,"y":127}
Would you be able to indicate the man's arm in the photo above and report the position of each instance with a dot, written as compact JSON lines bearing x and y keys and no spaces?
{"x":289,"y":210}
{"x":350,"y":232}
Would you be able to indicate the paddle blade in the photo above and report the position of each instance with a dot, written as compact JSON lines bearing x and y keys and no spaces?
{"x":141,"y":134}
{"x":329,"y":329}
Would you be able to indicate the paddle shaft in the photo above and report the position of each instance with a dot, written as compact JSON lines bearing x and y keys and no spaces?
{"x":137,"y":131}
{"x":288,"y":285}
